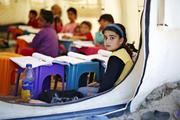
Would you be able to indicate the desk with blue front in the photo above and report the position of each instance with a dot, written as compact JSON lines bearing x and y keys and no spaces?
{"x":75,"y":71}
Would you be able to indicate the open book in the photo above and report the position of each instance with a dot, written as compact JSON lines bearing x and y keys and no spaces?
{"x":38,"y":59}
{"x":79,"y":44}
{"x":102,"y":56}
{"x":29,"y":28}
{"x":27,"y":38}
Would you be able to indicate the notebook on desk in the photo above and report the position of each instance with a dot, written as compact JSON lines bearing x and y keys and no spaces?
{"x":38,"y":59}
{"x":27,"y":38}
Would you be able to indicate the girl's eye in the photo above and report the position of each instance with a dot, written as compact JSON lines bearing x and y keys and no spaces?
{"x":111,"y":37}
{"x":105,"y":38}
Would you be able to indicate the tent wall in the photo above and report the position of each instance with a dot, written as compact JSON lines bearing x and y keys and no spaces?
{"x":163,"y":60}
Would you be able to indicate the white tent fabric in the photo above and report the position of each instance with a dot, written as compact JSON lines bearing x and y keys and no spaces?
{"x":162,"y":44}
{"x":171,"y":14}
{"x":157,"y":63}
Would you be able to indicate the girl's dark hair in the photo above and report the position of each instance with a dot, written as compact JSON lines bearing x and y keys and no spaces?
{"x":106,"y":17}
{"x":72,"y":10}
{"x":87,"y":23}
{"x":115,"y":29}
{"x":56,"y":21}
{"x":34,"y":12}
{"x":47,"y":15}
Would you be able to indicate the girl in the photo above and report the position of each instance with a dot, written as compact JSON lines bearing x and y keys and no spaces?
{"x":119,"y":63}
{"x":57,"y":22}
{"x":69,"y":27}
{"x":46,"y":41}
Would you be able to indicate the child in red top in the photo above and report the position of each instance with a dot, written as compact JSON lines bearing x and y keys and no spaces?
{"x":33,"y":21}
{"x":85,"y":29}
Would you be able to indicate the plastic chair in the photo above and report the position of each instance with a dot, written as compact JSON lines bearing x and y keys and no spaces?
{"x":40,"y":73}
{"x":75,"y":71}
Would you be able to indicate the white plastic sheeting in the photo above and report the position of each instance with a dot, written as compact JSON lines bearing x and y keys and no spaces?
{"x":163,"y":60}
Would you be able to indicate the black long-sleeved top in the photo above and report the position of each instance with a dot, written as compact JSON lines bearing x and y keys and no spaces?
{"x":114,"y":69}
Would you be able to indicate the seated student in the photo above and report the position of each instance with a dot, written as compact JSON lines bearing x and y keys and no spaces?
{"x":85,"y":35}
{"x":85,"y":32}
{"x":33,"y":21}
{"x":57,"y":22}
{"x":46,"y":41}
{"x":104,"y":20}
{"x":119,"y":62}
{"x":69,"y":27}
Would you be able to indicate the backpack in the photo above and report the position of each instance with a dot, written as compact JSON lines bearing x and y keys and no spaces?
{"x":54,"y":96}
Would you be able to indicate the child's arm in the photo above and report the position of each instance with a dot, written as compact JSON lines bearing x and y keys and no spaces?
{"x":83,"y":38}
{"x":93,"y":84}
{"x":37,"y":39}
{"x":114,"y":69}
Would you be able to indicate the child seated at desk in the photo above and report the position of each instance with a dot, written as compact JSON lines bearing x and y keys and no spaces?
{"x":84,"y":35}
{"x":119,"y":62}
{"x":69,"y":27}
{"x":57,"y":22}
{"x":104,"y":20}
{"x":33,"y":21}
{"x":85,"y":32}
{"x":46,"y":41}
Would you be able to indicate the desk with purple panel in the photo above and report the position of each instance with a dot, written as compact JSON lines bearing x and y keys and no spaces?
{"x":40,"y":73}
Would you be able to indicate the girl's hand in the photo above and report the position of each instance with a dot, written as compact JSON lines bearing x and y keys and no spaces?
{"x":93,"y":84}
{"x":97,"y":45}
{"x":90,"y":94}
{"x":65,"y":37}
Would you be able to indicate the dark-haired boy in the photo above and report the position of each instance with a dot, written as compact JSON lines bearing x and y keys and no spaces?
{"x":104,"y":20}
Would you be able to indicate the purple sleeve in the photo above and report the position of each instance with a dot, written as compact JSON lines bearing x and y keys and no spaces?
{"x":37,"y":39}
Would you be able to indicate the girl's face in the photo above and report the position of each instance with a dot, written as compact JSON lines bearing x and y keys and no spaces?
{"x":42,"y":22}
{"x":71,"y":16}
{"x":112,"y":41}
{"x":84,"y":29}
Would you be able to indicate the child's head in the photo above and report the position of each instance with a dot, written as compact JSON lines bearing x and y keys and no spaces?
{"x":32,"y":14}
{"x":105,"y":19}
{"x":72,"y":14}
{"x":85,"y":27}
{"x":114,"y":36}
{"x":45,"y":18}
{"x":56,"y":10}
